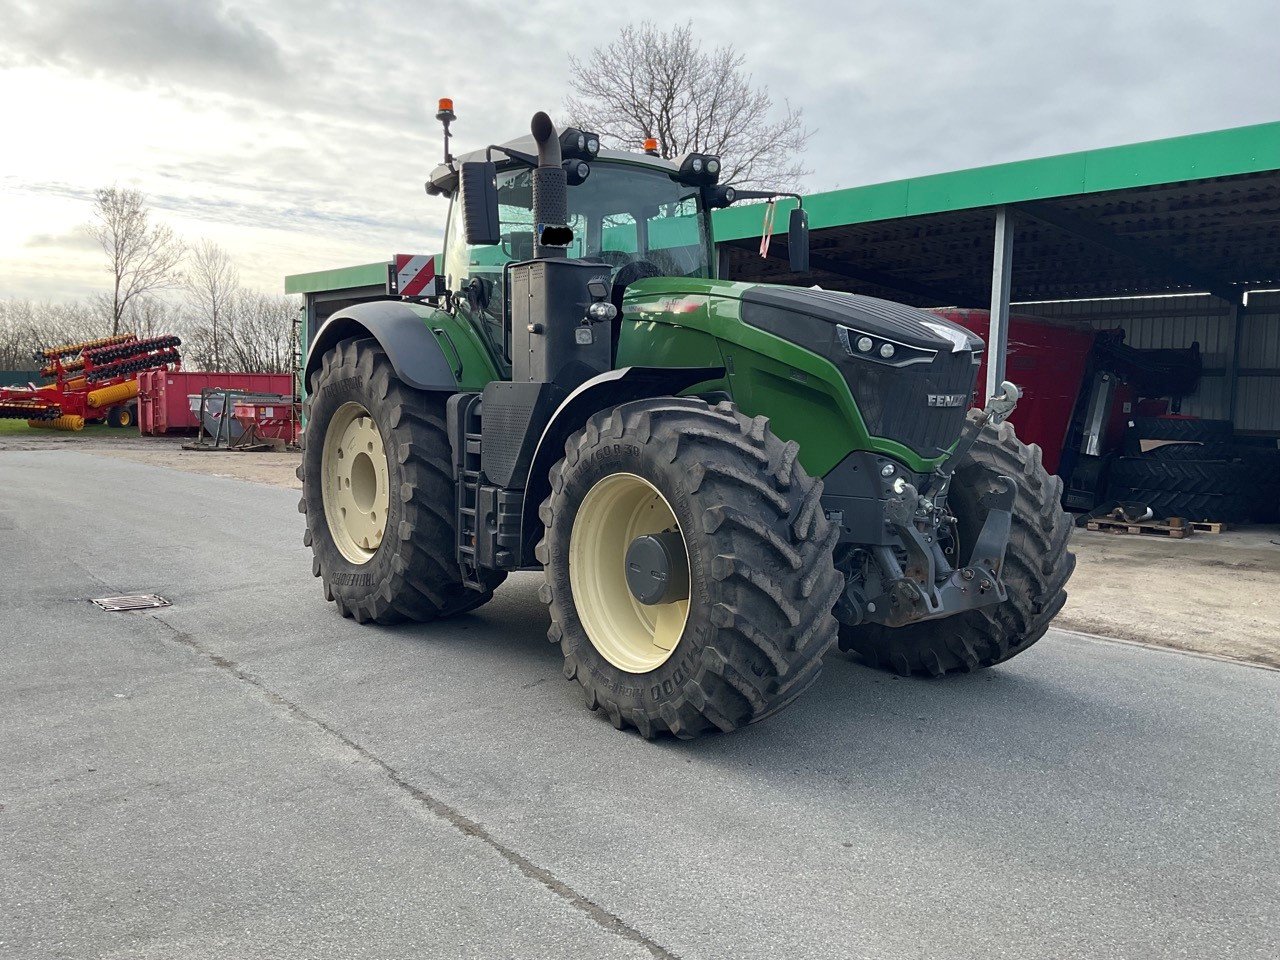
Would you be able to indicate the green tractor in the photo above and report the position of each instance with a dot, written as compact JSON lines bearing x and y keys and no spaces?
{"x":719,"y":481}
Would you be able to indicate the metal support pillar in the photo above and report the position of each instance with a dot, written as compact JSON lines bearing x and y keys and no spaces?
{"x":1001,"y":270}
{"x":1236,"y":320}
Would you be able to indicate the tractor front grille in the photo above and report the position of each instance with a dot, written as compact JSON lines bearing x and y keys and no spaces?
{"x":896,"y":401}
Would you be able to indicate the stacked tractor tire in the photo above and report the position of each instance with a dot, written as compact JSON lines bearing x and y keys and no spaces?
{"x":1197,"y":470}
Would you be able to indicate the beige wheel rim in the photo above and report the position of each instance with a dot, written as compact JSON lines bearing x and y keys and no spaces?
{"x":632,"y":636}
{"x":355,"y":490}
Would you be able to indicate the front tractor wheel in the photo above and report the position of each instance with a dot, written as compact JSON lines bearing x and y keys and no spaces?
{"x":688,"y":567}
{"x":378,"y":493}
{"x":1037,"y":565}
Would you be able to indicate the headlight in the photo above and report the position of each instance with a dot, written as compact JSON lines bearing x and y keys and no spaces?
{"x":599,"y":312}
{"x":716,"y":197}
{"x":877,"y":349}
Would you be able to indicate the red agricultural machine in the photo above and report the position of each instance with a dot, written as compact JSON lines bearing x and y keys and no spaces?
{"x":1107,"y":419}
{"x":90,"y":382}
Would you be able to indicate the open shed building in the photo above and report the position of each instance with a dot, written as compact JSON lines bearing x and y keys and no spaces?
{"x":1175,"y":242}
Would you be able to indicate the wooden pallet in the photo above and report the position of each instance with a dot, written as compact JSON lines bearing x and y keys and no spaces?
{"x":1150,"y":528}
{"x":1175,"y":527}
{"x":1204,"y":526}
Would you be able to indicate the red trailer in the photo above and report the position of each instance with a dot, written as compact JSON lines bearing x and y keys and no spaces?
{"x":164,"y":404}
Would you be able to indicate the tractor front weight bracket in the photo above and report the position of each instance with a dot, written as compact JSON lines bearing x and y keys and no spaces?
{"x":928,"y":588}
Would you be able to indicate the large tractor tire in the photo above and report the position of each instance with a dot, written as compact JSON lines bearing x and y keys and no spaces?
{"x":1186,"y":429}
{"x":1037,"y":566}
{"x":1182,"y":476}
{"x":688,"y":567}
{"x":1210,"y":507}
{"x":378,"y":493}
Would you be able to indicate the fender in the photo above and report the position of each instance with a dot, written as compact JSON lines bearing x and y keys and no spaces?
{"x":414,"y":351}
{"x":604,"y":390}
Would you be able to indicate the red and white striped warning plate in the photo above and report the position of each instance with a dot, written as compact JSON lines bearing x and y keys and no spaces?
{"x":414,"y":271}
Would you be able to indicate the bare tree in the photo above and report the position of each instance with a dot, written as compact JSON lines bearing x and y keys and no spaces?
{"x":152,"y":316}
{"x":655,"y":83}
{"x":143,"y":256}
{"x":213,"y":283}
{"x":27,"y":326}
{"x":261,"y":342}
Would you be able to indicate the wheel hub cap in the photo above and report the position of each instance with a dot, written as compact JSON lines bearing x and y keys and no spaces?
{"x":657,"y":571}
{"x":356,"y":495}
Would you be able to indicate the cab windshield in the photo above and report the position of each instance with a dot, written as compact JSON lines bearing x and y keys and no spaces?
{"x":622,"y":214}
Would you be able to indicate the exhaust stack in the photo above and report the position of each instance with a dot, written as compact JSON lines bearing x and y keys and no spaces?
{"x":550,"y":188}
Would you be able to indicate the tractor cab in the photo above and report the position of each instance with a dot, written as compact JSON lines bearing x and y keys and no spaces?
{"x":638,"y":214}
{"x":636,"y":218}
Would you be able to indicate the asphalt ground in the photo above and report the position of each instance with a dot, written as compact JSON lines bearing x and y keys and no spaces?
{"x":246,"y":774}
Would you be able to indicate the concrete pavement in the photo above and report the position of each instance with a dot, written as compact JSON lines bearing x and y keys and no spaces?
{"x":247,"y":774}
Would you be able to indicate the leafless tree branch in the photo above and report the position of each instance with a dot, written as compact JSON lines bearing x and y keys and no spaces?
{"x":650,"y":82}
{"x":143,"y":257}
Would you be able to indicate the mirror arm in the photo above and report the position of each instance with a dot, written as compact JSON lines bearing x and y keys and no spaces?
{"x":526,"y":158}
{"x":768,"y":195}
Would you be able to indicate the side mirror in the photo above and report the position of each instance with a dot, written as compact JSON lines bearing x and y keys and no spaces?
{"x":798,"y":241}
{"x":479,"y":199}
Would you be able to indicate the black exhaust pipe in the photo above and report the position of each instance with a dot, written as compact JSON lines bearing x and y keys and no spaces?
{"x":550,"y":188}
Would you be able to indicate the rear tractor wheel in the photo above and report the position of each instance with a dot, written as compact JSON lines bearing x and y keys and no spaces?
{"x":378,"y":493}
{"x":1037,"y":566}
{"x":688,"y":567}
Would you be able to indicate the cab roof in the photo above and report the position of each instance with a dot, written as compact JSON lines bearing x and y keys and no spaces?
{"x":444,"y":178}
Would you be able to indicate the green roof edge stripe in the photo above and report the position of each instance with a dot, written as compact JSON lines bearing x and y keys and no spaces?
{"x":1197,"y":156}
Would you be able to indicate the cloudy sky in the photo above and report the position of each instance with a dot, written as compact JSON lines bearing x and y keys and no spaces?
{"x":298,"y":134}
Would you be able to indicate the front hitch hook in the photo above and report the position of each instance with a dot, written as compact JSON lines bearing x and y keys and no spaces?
{"x":996,"y":411}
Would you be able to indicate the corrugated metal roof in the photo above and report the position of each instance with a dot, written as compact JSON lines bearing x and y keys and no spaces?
{"x":1198,"y":235}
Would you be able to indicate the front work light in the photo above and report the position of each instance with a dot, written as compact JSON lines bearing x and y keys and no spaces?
{"x":719,"y":196}
{"x":576,"y":171}
{"x":578,"y":144}
{"x":699,"y":169}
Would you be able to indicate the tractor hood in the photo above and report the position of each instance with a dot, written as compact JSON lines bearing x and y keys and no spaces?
{"x":912,"y":373}
{"x":913,"y":333}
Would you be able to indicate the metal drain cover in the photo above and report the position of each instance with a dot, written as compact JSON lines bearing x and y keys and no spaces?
{"x":139,"y":602}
